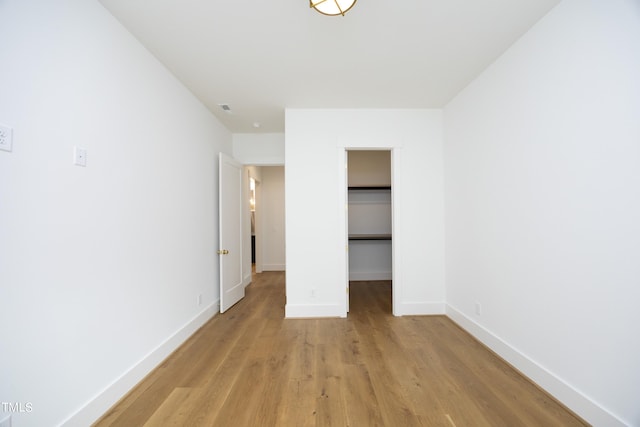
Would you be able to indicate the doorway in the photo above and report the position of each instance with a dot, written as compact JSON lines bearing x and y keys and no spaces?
{"x":265,"y":223}
{"x":369,"y":224}
{"x":252,"y":218}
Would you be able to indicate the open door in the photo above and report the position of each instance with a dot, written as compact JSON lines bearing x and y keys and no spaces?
{"x":230,"y":217}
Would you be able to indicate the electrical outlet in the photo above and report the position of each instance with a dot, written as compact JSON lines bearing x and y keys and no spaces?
{"x":79,"y":156}
{"x":6,"y":138}
{"x":200,"y":299}
{"x":478,"y":309}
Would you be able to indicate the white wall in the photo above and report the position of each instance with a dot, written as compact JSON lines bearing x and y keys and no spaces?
{"x":259,"y":149}
{"x":272,"y":217}
{"x":315,"y":181}
{"x":369,"y":168}
{"x":100,"y":267}
{"x":542,"y":163}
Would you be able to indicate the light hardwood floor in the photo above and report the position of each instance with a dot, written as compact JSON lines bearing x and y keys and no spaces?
{"x":251,"y":367}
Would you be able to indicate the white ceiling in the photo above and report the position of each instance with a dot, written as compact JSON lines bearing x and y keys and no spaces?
{"x":260,"y":56}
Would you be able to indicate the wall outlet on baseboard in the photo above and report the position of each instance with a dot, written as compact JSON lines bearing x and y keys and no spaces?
{"x":478,"y":309}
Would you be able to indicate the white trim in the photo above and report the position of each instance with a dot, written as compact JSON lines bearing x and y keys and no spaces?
{"x":370,"y":275}
{"x":572,"y":398}
{"x":273,"y":267}
{"x":421,"y":308}
{"x":397,"y":233}
{"x":104,"y":400}
{"x":342,"y":261}
{"x":301,"y":311}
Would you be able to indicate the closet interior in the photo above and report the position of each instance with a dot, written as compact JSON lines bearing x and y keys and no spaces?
{"x":369,"y":215}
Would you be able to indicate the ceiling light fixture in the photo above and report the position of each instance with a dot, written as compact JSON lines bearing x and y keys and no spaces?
{"x":332,"y":7}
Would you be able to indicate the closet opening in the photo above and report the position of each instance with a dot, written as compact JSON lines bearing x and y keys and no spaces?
{"x":369,"y":225}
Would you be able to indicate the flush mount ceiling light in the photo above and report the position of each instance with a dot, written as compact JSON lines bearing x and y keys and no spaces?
{"x":332,"y":7}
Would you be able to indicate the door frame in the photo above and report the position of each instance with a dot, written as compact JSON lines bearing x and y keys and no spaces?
{"x":396,"y":227}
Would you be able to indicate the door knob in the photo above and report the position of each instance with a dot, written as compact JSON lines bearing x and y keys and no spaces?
{"x":223,"y":252}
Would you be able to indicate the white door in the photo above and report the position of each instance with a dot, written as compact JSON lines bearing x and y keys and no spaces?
{"x":230,"y":249}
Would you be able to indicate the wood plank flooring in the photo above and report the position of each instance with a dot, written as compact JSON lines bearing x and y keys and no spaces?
{"x":251,"y":367}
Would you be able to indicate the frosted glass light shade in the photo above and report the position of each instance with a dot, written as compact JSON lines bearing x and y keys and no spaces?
{"x":332,"y":7}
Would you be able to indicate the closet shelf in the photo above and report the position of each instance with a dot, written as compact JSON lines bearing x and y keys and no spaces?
{"x":372,"y":187}
{"x":369,"y":236}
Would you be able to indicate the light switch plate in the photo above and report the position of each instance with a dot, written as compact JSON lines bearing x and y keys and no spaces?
{"x":6,"y":139}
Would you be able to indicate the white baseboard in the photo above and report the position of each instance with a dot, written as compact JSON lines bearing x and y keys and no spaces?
{"x":104,"y":400}
{"x":273,"y":267}
{"x":370,"y":275}
{"x":421,"y":309}
{"x":573,"y":399}
{"x":301,"y":311}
